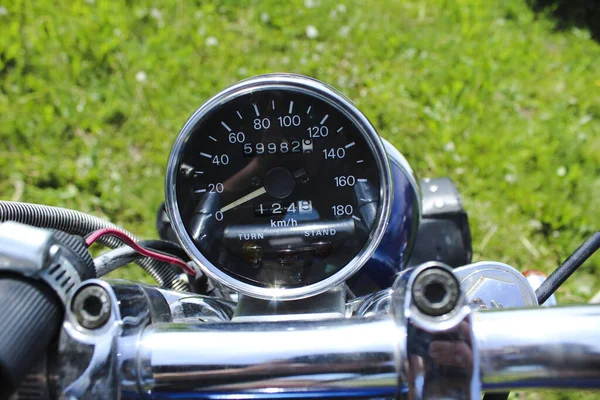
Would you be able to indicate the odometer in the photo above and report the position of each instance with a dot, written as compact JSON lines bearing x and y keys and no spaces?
{"x":279,"y":187}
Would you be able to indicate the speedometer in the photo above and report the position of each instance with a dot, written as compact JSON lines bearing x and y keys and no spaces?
{"x":278,"y":187}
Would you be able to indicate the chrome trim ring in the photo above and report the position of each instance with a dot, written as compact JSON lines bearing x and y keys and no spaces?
{"x":398,"y":158}
{"x":325,"y":93}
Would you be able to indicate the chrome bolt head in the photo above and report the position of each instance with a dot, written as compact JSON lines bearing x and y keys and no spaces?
{"x":436,"y":291}
{"x":91,"y":307}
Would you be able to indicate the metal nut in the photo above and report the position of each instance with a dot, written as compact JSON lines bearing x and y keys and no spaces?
{"x":91,"y":307}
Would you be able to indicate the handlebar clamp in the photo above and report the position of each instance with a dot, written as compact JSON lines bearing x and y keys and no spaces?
{"x":438,"y":354}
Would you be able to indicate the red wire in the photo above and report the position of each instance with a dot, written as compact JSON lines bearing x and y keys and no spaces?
{"x":94,"y":236}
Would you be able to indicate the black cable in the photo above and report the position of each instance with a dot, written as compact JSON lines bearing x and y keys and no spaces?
{"x":570,"y":265}
{"x":165,"y":246}
{"x":114,"y":259}
{"x":124,"y":255}
{"x":496,"y":396}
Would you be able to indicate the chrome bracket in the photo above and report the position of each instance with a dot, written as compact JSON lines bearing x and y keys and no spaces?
{"x":100,"y":363}
{"x":490,"y":284}
{"x":438,"y":352}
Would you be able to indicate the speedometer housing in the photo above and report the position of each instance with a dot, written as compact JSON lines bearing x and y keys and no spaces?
{"x":279,"y":187}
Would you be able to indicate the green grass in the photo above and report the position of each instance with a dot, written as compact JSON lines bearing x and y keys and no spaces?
{"x":485,"y":92}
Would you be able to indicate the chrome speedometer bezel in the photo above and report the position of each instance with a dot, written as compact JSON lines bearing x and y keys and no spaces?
{"x":335,"y":99}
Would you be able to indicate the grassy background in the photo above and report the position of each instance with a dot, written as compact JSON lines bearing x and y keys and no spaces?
{"x":93,"y":94}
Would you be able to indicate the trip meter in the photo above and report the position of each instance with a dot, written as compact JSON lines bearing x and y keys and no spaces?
{"x":279,"y":187}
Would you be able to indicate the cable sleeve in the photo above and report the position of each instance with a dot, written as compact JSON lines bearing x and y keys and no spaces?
{"x":78,"y":223}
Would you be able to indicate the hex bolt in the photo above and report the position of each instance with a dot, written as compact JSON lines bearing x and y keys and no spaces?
{"x":91,"y":306}
{"x":436,"y":291}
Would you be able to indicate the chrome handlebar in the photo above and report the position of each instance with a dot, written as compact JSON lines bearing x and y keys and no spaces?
{"x":516,"y":349}
{"x":555,"y":347}
{"x":150,"y":348}
{"x":341,"y":357}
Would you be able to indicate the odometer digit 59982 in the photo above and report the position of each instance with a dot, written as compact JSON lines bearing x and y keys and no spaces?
{"x":279,"y":187}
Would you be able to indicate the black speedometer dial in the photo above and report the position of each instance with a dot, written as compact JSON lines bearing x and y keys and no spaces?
{"x":277,"y":187}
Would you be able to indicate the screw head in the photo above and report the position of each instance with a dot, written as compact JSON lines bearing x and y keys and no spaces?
{"x":255,"y":181}
{"x":91,"y":306}
{"x":436,"y":291}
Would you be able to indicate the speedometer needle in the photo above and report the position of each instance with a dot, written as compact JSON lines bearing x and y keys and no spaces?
{"x":244,"y":199}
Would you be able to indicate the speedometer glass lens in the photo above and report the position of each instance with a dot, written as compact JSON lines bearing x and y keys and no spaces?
{"x":277,"y":188}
